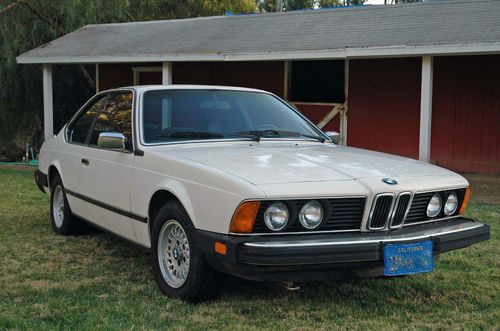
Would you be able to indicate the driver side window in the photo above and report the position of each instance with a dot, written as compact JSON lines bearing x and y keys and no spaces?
{"x":116,"y":117}
{"x":77,"y":132}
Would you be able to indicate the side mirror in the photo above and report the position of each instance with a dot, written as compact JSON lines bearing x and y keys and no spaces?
{"x":111,"y":140}
{"x":334,"y":136}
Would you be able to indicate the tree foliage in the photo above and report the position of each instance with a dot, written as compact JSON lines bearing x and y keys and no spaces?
{"x":287,"y":5}
{"x":393,"y":2}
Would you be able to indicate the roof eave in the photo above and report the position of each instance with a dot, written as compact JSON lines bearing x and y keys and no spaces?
{"x":369,"y":52}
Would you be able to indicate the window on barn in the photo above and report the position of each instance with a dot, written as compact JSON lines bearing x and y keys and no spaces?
{"x":317,"y":81}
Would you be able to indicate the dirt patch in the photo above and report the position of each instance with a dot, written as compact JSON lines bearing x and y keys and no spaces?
{"x":484,"y":188}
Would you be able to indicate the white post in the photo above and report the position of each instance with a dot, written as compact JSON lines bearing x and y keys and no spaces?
{"x":424,"y":151}
{"x":48,"y":105}
{"x":167,"y":73}
{"x":343,"y":112}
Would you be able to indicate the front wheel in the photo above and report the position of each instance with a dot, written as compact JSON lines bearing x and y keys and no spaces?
{"x":179,"y":266}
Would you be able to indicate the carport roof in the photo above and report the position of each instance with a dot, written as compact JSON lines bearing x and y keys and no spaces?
{"x":435,"y":27}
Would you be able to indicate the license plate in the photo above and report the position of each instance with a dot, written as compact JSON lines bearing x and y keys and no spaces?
{"x":405,"y":259}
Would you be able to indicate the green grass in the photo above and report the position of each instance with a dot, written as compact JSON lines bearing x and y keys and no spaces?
{"x":96,"y":281}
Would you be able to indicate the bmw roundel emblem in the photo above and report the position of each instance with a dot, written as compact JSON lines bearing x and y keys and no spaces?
{"x":389,"y":181}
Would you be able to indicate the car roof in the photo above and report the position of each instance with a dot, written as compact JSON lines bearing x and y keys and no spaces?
{"x":144,"y":88}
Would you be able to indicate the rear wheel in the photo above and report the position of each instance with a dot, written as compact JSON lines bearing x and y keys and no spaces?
{"x":180,"y":268}
{"x":63,"y":222}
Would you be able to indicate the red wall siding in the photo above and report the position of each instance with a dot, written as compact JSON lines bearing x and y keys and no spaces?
{"x":192,"y":73}
{"x":150,"y":78}
{"x":384,"y":105}
{"x":114,"y":75}
{"x":466,"y":113}
{"x":268,"y":76}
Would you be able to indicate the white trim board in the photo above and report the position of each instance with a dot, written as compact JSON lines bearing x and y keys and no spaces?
{"x":352,"y":53}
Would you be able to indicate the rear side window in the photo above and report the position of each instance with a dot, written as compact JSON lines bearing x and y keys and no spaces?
{"x":77,"y":132}
{"x":116,"y":117}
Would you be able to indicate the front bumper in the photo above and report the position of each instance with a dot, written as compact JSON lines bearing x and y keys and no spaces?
{"x":255,"y":256}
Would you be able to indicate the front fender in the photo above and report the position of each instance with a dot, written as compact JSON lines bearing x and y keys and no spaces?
{"x":178,"y":190}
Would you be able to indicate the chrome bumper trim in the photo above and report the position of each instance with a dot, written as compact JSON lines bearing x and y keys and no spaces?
{"x":392,"y":236}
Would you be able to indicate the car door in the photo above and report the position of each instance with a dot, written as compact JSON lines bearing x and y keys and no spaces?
{"x":104,"y":174}
{"x":76,"y":141}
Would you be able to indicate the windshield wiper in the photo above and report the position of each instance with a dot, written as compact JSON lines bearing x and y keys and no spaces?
{"x":190,"y":134}
{"x":294,"y":134}
{"x":257,"y":134}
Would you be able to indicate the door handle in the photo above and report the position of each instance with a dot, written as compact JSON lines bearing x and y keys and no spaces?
{"x":85,"y":162}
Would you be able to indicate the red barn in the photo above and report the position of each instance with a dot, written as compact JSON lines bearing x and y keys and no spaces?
{"x":419,"y":80}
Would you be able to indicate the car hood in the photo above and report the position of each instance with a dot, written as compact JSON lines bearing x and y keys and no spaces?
{"x":291,"y":162}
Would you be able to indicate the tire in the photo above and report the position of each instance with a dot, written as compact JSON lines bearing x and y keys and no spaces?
{"x":180,"y":268}
{"x":63,"y":222}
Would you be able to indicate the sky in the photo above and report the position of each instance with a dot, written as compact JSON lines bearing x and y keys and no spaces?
{"x":375,"y":2}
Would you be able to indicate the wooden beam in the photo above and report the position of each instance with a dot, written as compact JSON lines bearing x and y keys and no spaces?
{"x":166,"y":76}
{"x":424,"y":151}
{"x":330,"y":116}
{"x":343,"y":113}
{"x":48,"y":103}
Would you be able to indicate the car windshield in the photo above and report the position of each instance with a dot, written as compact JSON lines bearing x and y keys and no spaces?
{"x":177,"y":115}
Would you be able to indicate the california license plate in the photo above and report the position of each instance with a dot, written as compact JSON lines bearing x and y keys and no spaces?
{"x":408,"y":258}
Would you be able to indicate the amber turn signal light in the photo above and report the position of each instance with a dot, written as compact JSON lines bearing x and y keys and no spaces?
{"x":244,"y":217}
{"x":220,"y":248}
{"x":466,"y":200}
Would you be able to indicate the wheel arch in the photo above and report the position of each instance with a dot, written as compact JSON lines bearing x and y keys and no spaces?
{"x":158,"y":199}
{"x":52,"y":173}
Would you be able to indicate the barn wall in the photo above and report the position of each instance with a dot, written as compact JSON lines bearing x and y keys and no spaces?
{"x":466,"y":113}
{"x":384,"y":105}
{"x":384,"y":102}
{"x":268,"y":76}
{"x":150,"y":78}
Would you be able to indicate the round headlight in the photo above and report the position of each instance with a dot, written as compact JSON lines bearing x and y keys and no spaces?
{"x":434,"y":206}
{"x":311,"y":215}
{"x":451,"y":204}
{"x":276,"y":216}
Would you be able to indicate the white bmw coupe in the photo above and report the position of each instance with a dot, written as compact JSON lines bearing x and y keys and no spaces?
{"x":236,"y":180}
